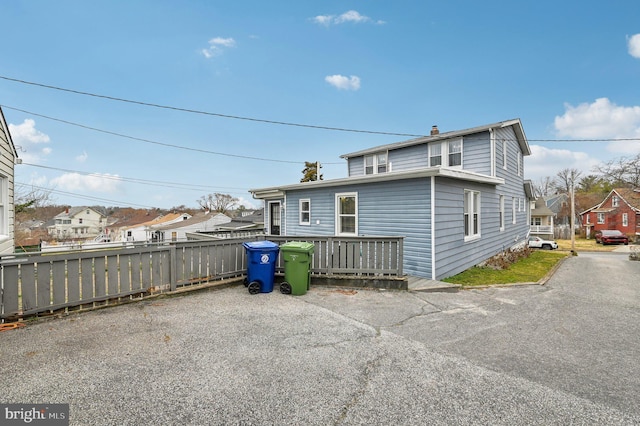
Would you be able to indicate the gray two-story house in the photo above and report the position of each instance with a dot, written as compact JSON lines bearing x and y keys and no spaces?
{"x":457,"y":198}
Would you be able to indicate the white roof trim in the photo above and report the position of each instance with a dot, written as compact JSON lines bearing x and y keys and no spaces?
{"x":278,"y":192}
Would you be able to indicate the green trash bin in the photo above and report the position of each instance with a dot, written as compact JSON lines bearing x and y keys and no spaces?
{"x":297,"y":267}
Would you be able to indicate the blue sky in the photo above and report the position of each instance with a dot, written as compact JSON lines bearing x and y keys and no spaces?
{"x":569,"y":70}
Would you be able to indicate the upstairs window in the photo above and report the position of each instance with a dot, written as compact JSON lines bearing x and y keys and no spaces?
{"x":435,"y":154}
{"x":504,"y":154}
{"x":446,"y":154}
{"x":625,"y":219}
{"x":519,"y":163}
{"x":375,"y":163}
{"x":615,"y":201}
{"x":455,"y":153}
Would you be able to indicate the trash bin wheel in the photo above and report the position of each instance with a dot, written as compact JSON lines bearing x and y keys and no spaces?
{"x":254,"y":287}
{"x":285,"y":288}
{"x":245,"y":281}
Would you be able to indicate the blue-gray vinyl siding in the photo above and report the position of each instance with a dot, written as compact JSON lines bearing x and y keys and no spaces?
{"x":453,"y":253}
{"x":394,"y":208}
{"x":476,"y":153}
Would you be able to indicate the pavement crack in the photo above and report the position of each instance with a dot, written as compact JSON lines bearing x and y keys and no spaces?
{"x":369,"y":370}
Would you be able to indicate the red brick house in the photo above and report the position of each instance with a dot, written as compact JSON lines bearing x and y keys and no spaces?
{"x":619,"y":210}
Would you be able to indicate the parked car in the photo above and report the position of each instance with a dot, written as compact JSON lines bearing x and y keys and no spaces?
{"x":537,"y":242}
{"x":611,"y":236}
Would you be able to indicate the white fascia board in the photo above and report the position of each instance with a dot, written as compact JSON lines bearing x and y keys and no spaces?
{"x":279,"y":191}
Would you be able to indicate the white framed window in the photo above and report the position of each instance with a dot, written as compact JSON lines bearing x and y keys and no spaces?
{"x":375,"y":163}
{"x":446,"y":154}
{"x":615,"y":201}
{"x":600,"y":218}
{"x":471,"y":215}
{"x":347,"y":213}
{"x":588,"y":218}
{"x":536,"y":221}
{"x":435,"y":154}
{"x":625,"y":219}
{"x":305,"y":211}
{"x":519,"y":163}
{"x":502,"y":212}
{"x":455,"y":153}
{"x":513,"y":210}
{"x":504,"y":154}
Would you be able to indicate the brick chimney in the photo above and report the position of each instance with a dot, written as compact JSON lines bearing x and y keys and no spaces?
{"x":434,"y":130}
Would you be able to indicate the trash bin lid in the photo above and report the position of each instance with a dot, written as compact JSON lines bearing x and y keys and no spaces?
{"x":299,"y":246}
{"x":260,"y":245}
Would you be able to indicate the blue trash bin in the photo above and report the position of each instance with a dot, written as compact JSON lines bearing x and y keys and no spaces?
{"x":261,"y":265}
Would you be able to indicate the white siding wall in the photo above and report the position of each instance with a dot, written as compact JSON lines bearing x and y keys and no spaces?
{"x":7,"y":161}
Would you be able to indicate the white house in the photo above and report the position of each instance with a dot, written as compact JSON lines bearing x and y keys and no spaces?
{"x":146,"y":231}
{"x":78,"y":222}
{"x":203,"y":222}
{"x":8,"y":159}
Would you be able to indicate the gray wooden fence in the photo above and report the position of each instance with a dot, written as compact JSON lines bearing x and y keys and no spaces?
{"x":44,"y":283}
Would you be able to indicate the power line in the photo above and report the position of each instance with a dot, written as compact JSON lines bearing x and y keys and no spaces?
{"x":193,"y":111}
{"x":140,"y":181}
{"x":246,"y":157}
{"x":84,"y":197}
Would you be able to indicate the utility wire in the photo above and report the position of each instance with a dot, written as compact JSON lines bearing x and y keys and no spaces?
{"x":85,"y":197}
{"x":235,"y":117}
{"x":140,"y":181}
{"x":108,"y":132}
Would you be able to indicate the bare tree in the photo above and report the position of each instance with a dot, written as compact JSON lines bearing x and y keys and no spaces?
{"x":218,"y":202}
{"x":544,"y":187}
{"x":31,"y":196}
{"x":624,"y":171}
{"x":567,"y":179}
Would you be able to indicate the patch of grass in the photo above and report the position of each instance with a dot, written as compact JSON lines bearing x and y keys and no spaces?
{"x":530,"y":269}
{"x":582,"y":244}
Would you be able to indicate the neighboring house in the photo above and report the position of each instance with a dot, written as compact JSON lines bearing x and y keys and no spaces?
{"x":250,"y":222}
{"x":619,"y":210}
{"x":541,"y":219}
{"x":8,"y":159}
{"x":203,"y":222}
{"x":458,"y":198}
{"x":146,"y":231}
{"x":559,"y":205}
{"x":78,"y":222}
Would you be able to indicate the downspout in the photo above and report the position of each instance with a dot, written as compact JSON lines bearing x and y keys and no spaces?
{"x":433,"y":227}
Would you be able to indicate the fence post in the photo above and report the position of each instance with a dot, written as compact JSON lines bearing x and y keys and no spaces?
{"x":329,"y":256}
{"x":173,"y":281}
{"x":400,"y":256}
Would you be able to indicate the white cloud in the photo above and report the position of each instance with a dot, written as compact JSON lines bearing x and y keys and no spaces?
{"x":343,"y":82}
{"x":29,"y":140}
{"x":217,"y":45}
{"x":545,"y":162}
{"x":75,"y":182}
{"x":601,"y":119}
{"x":82,"y":157}
{"x":351,"y":16}
{"x":634,"y":45}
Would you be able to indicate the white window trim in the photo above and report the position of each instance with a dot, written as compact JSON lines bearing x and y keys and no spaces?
{"x":337,"y":213}
{"x":444,"y":153}
{"x":375,"y":163}
{"x":4,"y":208}
{"x":505,"y":157}
{"x":300,"y":211}
{"x":513,"y":210}
{"x":519,"y":163}
{"x":502,"y":212}
{"x":588,"y":218}
{"x":600,"y":218}
{"x":625,"y":219}
{"x":615,"y":201}
{"x":472,"y":210}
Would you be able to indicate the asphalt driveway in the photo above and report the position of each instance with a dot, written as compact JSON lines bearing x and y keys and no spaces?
{"x":563,"y":353}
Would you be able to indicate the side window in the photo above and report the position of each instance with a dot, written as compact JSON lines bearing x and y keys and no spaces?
{"x":368,"y":164}
{"x":504,"y":154}
{"x":305,"y":212}
{"x":471,"y":215}
{"x":502,"y":212}
{"x":347,"y":214}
